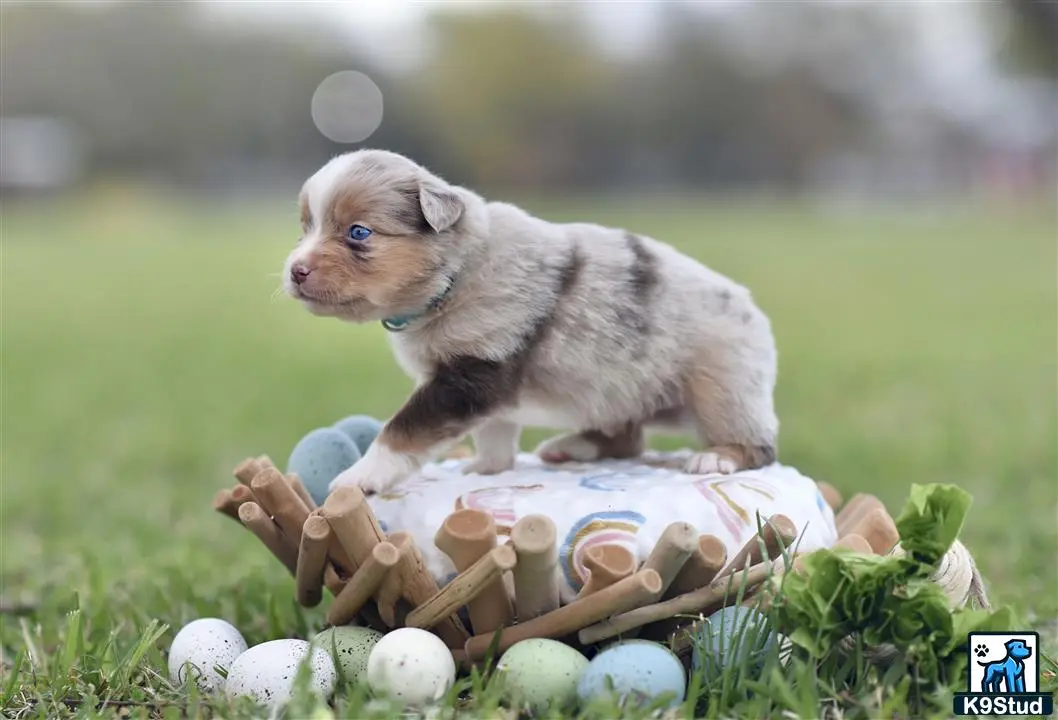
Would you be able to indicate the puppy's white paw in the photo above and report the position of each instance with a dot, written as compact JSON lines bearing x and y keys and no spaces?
{"x":709,"y":463}
{"x":486,"y":465}
{"x":378,"y":471}
{"x":567,"y":448}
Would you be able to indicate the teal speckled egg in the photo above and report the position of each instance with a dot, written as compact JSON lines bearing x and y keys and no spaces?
{"x":361,"y":429}
{"x":541,"y":673}
{"x":350,"y":647}
{"x":639,"y":670}
{"x":319,"y":457}
{"x":732,"y":636}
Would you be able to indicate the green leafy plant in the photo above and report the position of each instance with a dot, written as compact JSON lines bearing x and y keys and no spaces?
{"x":861,"y":602}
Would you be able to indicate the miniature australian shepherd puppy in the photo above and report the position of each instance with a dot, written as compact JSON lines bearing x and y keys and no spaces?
{"x":504,"y":320}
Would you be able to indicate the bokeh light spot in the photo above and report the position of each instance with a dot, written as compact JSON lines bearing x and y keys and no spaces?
{"x":347,"y":107}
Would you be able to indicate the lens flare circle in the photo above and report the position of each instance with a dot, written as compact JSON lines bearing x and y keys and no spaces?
{"x":347,"y":107}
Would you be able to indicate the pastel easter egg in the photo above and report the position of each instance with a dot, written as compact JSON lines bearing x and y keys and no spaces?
{"x":361,"y":429}
{"x":200,"y":648}
{"x":411,"y":665}
{"x":267,"y":672}
{"x":349,"y":646}
{"x":732,"y":636}
{"x":319,"y":457}
{"x":541,"y":673}
{"x":640,"y":671}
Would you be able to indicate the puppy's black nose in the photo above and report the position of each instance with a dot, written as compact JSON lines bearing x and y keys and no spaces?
{"x":299,"y":273}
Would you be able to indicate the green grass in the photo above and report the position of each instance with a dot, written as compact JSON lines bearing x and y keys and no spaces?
{"x":143,"y":358}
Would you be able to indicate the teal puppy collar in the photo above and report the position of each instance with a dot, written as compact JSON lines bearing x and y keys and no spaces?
{"x":401,"y":322}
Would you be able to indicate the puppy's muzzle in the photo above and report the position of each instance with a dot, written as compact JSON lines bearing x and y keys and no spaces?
{"x":299,"y":273}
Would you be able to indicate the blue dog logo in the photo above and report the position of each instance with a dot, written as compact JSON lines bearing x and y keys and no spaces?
{"x":1009,"y":671}
{"x":1009,"y":686}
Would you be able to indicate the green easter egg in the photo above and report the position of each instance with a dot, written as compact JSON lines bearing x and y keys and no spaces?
{"x":541,"y":673}
{"x":319,"y":457}
{"x":350,"y":646}
{"x":361,"y":429}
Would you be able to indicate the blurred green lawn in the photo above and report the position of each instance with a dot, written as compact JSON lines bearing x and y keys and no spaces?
{"x":143,"y":357}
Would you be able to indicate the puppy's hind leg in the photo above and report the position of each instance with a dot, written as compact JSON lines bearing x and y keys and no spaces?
{"x":627,"y":442}
{"x":495,"y":447}
{"x":735,"y":413}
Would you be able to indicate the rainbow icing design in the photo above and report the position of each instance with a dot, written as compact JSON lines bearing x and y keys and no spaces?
{"x":611,"y":527}
{"x":619,"y":481}
{"x":732,"y":515}
{"x":498,"y":502}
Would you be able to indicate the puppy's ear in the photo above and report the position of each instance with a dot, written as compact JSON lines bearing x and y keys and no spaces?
{"x":440,"y":206}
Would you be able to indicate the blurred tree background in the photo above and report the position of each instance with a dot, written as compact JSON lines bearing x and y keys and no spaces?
{"x":852,"y":100}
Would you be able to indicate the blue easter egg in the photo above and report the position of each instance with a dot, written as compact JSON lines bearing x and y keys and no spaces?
{"x":361,"y":429}
{"x":319,"y":457}
{"x":640,"y":671}
{"x":732,"y":636}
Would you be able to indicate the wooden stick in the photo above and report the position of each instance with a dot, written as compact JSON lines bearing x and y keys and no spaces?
{"x":878,"y":529}
{"x":704,"y":564}
{"x":331,"y":579}
{"x":830,"y":494}
{"x":411,"y":581}
{"x":617,"y":598}
{"x":224,"y":503}
{"x":356,"y":530}
{"x":392,"y":589}
{"x":701,"y":568}
{"x":364,"y":583}
{"x":312,"y":557}
{"x":463,"y":588}
{"x":674,"y":548}
{"x":241,"y":494}
{"x":278,"y":499}
{"x":855,"y":543}
{"x":693,"y":602}
{"x":776,"y":536}
{"x":606,"y":565}
{"x":247,"y":470}
{"x":301,"y":490}
{"x":776,"y":533}
{"x":859,"y":505}
{"x":763,"y":595}
{"x":536,"y":580}
{"x":257,"y":521}
{"x":465,"y":536}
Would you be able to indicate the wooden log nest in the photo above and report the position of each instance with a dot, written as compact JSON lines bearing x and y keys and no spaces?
{"x":511,"y":591}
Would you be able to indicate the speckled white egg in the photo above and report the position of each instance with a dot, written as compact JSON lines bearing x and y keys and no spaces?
{"x":267,"y":672}
{"x":541,"y":673}
{"x":411,"y":665}
{"x":200,"y":647}
{"x":350,"y":646}
{"x":640,"y":671}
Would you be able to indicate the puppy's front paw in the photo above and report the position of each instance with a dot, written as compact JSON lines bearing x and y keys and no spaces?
{"x":485,"y":465}
{"x":377,"y":471}
{"x":709,"y":463}
{"x":568,"y":448}
{"x":367,"y":480}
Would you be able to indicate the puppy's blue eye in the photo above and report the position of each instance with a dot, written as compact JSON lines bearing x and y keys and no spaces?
{"x":358,"y":233}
